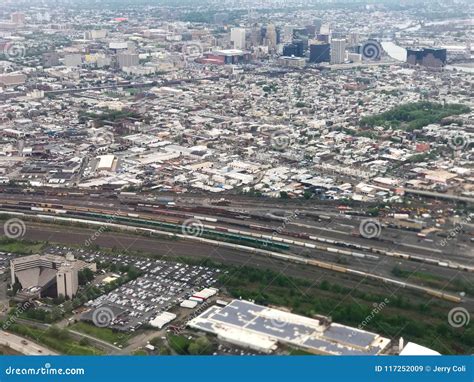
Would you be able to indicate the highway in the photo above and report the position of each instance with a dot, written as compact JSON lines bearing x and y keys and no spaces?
{"x":22,"y":345}
{"x":97,"y":342}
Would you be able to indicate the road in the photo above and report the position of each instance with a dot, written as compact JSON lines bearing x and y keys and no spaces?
{"x":24,"y":346}
{"x":97,"y":342}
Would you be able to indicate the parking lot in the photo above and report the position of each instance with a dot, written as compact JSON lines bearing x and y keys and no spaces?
{"x":162,"y":286}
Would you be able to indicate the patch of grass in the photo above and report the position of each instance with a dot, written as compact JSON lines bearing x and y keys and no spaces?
{"x":19,"y":246}
{"x":104,"y":334}
{"x":184,"y":346}
{"x":54,"y":338}
{"x":299,"y":352}
{"x":419,"y":275}
{"x":435,"y":281}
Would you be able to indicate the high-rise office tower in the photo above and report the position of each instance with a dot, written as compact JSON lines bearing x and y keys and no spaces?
{"x":256,"y":36}
{"x":237,"y":37}
{"x":317,"y":23}
{"x":295,"y":49}
{"x":271,"y":36}
{"x":353,"y":38}
{"x":323,"y":38}
{"x":325,"y":29}
{"x":338,"y":50}
{"x":319,"y":52}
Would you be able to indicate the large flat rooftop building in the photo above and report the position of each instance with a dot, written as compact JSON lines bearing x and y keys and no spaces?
{"x":261,"y":328}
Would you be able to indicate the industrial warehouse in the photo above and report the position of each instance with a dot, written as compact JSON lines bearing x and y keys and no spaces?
{"x":261,"y":328}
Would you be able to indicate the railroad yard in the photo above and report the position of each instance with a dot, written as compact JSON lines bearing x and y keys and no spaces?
{"x":327,"y":237}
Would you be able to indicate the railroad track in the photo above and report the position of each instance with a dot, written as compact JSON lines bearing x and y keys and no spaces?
{"x":263,"y":252}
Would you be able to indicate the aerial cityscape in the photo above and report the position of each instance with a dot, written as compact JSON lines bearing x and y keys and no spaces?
{"x":270,"y":177}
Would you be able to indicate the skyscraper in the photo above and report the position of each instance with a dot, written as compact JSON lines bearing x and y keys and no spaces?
{"x":353,"y":38}
{"x":294,"y":49}
{"x":271,"y":36}
{"x":256,"y":36}
{"x":323,"y":38}
{"x":317,"y":23}
{"x":428,"y":57}
{"x":237,"y":37}
{"x":338,"y":50}
{"x":319,"y":52}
